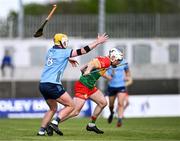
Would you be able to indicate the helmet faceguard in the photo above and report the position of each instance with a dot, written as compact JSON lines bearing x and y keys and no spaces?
{"x":115,"y":54}
{"x":61,"y":40}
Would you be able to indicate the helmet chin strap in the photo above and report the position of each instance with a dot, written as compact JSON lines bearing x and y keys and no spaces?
{"x":61,"y":44}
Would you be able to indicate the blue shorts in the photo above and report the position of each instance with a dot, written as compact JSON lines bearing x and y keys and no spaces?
{"x":51,"y":91}
{"x":112,"y":91}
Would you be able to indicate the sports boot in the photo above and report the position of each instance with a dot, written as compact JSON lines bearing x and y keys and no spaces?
{"x":95,"y":129}
{"x":49,"y":130}
{"x":41,"y":133}
{"x":110,"y":118}
{"x":56,"y":129}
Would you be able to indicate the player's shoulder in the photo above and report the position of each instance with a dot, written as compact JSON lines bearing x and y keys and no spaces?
{"x":104,"y":61}
{"x":61,"y":50}
{"x":103,"y":58}
{"x":124,"y":61}
{"x":122,"y":64}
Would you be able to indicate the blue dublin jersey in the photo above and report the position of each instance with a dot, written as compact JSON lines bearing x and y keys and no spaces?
{"x":119,"y":76}
{"x":56,"y":62}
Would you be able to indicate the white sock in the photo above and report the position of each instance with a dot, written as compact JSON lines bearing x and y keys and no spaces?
{"x":91,"y":124}
{"x":41,"y":133}
{"x":54,"y":122}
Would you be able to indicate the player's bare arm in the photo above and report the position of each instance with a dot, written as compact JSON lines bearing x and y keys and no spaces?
{"x":94,"y":64}
{"x":73,"y":62}
{"x":128,"y":78}
{"x":99,"y":40}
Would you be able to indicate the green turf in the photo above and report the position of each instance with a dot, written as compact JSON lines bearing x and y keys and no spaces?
{"x":147,"y":129}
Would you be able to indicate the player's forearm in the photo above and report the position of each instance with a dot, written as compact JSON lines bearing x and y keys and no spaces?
{"x":80,"y":51}
{"x":93,"y":64}
{"x":129,"y":81}
{"x":99,"y":40}
{"x":94,"y":44}
{"x":89,"y":68}
{"x":85,"y":49}
{"x":107,"y":77}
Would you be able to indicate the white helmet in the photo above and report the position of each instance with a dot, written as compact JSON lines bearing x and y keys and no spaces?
{"x":115,"y":54}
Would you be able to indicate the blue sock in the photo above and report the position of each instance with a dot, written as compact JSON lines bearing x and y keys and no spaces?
{"x":120,"y":120}
{"x":58,"y":119}
{"x":42,"y":129}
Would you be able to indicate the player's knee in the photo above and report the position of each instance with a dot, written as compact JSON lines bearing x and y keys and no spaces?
{"x":111,"y":107}
{"x":76,"y":113}
{"x":120,"y":104}
{"x":53,"y":109}
{"x":72,"y":106}
{"x":103,"y":103}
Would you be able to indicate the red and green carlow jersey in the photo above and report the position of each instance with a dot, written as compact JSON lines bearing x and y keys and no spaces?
{"x":90,"y":79}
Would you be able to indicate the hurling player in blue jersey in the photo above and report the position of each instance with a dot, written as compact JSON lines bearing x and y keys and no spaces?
{"x":119,"y":78}
{"x":50,"y":85}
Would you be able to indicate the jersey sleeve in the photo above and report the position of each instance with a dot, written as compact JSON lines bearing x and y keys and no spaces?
{"x":95,"y":62}
{"x":67,"y":52}
{"x":126,"y":66}
{"x":104,"y":62}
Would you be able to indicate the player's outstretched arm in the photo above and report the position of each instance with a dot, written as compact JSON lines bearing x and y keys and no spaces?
{"x":99,"y":40}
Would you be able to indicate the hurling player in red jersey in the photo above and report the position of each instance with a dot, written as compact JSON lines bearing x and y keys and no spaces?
{"x":86,"y":88}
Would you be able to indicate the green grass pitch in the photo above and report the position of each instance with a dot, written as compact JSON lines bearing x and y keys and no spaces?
{"x":146,"y":129}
